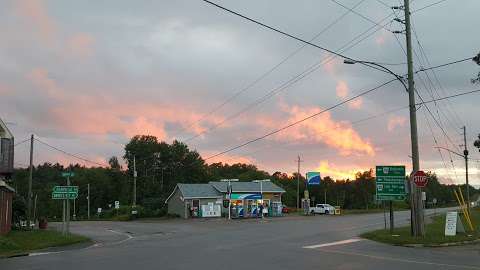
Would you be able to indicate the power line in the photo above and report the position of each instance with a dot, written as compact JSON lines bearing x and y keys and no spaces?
{"x":303,"y":119}
{"x":380,"y":115}
{"x":24,"y":141}
{"x":293,"y":80}
{"x":288,"y":35}
{"x":427,"y":6}
{"x":264,"y":75}
{"x":70,"y":154}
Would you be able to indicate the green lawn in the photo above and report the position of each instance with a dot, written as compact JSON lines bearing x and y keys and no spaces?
{"x":435,"y":233}
{"x":18,"y":242}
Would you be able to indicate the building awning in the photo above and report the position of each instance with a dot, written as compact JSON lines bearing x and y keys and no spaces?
{"x":246,"y":196}
{"x":5,"y":186}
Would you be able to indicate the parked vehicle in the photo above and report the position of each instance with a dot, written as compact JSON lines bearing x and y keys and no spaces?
{"x":285,"y":209}
{"x":322,"y":208}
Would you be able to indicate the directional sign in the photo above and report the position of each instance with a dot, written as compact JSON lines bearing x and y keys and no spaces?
{"x":68,"y":174}
{"x":420,"y":178}
{"x":313,"y":178}
{"x":390,"y":183}
{"x":65,"y":189}
{"x":65,"y":192}
{"x":64,"y":196}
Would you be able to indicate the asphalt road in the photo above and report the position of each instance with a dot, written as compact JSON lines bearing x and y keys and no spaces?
{"x":319,"y":242}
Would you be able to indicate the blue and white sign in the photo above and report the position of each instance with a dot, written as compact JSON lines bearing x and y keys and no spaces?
{"x":313,"y":178}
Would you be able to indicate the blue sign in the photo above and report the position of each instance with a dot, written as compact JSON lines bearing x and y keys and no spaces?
{"x":246,"y":196}
{"x":313,"y":178}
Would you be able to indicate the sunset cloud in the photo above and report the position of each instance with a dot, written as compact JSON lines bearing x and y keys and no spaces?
{"x":396,"y":121}
{"x":35,"y":14}
{"x":81,"y":45}
{"x":338,"y":172}
{"x":342,"y":89}
{"x":323,"y":129}
{"x":356,"y":103}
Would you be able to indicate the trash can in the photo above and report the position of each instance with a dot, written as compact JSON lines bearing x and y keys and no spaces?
{"x":42,"y":223}
{"x":338,"y":211}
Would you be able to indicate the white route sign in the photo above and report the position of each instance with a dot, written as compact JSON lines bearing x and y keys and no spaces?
{"x":451,"y":224}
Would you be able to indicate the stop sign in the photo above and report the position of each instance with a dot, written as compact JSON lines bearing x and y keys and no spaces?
{"x":420,"y":178}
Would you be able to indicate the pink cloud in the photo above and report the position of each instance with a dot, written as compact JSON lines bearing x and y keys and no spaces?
{"x":39,"y":77}
{"x":396,"y":121}
{"x":356,"y":104}
{"x":35,"y":13}
{"x":322,"y":129}
{"x":228,"y":158}
{"x":81,"y":44}
{"x":342,"y":89}
{"x":338,"y":172}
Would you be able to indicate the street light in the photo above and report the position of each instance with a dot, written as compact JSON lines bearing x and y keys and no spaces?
{"x":229,"y":191}
{"x":261,"y":190}
{"x":398,"y":77}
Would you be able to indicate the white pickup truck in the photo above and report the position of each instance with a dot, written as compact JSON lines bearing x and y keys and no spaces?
{"x":322,"y":208}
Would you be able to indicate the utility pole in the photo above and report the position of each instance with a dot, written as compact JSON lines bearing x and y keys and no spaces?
{"x":417,"y":207}
{"x":29,"y":205}
{"x":298,"y":182}
{"x":134,"y":183}
{"x":465,"y":154}
{"x":88,"y":201}
{"x":68,"y":208}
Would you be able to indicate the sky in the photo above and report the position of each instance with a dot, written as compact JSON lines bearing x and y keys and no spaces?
{"x":86,"y":76}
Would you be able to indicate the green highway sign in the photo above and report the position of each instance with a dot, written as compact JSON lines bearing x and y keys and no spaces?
{"x":64,"y":192}
{"x":64,"y":196}
{"x":390,"y":183}
{"x":65,"y":189}
{"x":68,"y":174}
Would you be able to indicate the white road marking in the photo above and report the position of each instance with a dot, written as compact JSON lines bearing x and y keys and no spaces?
{"x":343,"y":242}
{"x":43,"y":253}
{"x":129,"y":237}
{"x":377,"y":257}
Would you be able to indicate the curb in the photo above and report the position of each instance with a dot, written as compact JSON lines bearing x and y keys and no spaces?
{"x":461,"y":243}
{"x":15,"y":255}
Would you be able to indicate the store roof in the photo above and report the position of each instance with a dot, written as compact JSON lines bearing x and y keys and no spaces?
{"x":192,"y":191}
{"x":4,"y":132}
{"x":4,"y":185}
{"x":247,"y":187}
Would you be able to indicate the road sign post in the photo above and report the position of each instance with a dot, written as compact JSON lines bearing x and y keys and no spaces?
{"x":390,"y":186}
{"x":65,"y":193}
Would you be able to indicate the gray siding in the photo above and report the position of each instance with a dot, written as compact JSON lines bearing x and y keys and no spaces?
{"x":175,"y":205}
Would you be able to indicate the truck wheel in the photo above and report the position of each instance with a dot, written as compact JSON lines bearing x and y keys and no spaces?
{"x":326,"y":212}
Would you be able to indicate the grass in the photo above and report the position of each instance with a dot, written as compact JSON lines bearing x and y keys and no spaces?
{"x":435,"y":233}
{"x":18,"y":242}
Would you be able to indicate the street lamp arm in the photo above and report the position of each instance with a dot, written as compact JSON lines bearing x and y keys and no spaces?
{"x":400,"y":78}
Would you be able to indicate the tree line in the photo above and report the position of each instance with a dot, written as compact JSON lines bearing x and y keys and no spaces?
{"x":160,"y":166}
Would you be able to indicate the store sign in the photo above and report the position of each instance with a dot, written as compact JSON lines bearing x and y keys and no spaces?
{"x":211,"y":210}
{"x":246,"y":196}
{"x":313,"y":178}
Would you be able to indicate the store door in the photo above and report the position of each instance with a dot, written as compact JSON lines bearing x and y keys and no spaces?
{"x":196,"y":208}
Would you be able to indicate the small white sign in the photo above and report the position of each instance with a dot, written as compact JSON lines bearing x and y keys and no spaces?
{"x":117,"y":204}
{"x":99,"y":210}
{"x":451,"y":224}
{"x":211,"y":210}
{"x":424,"y":196}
